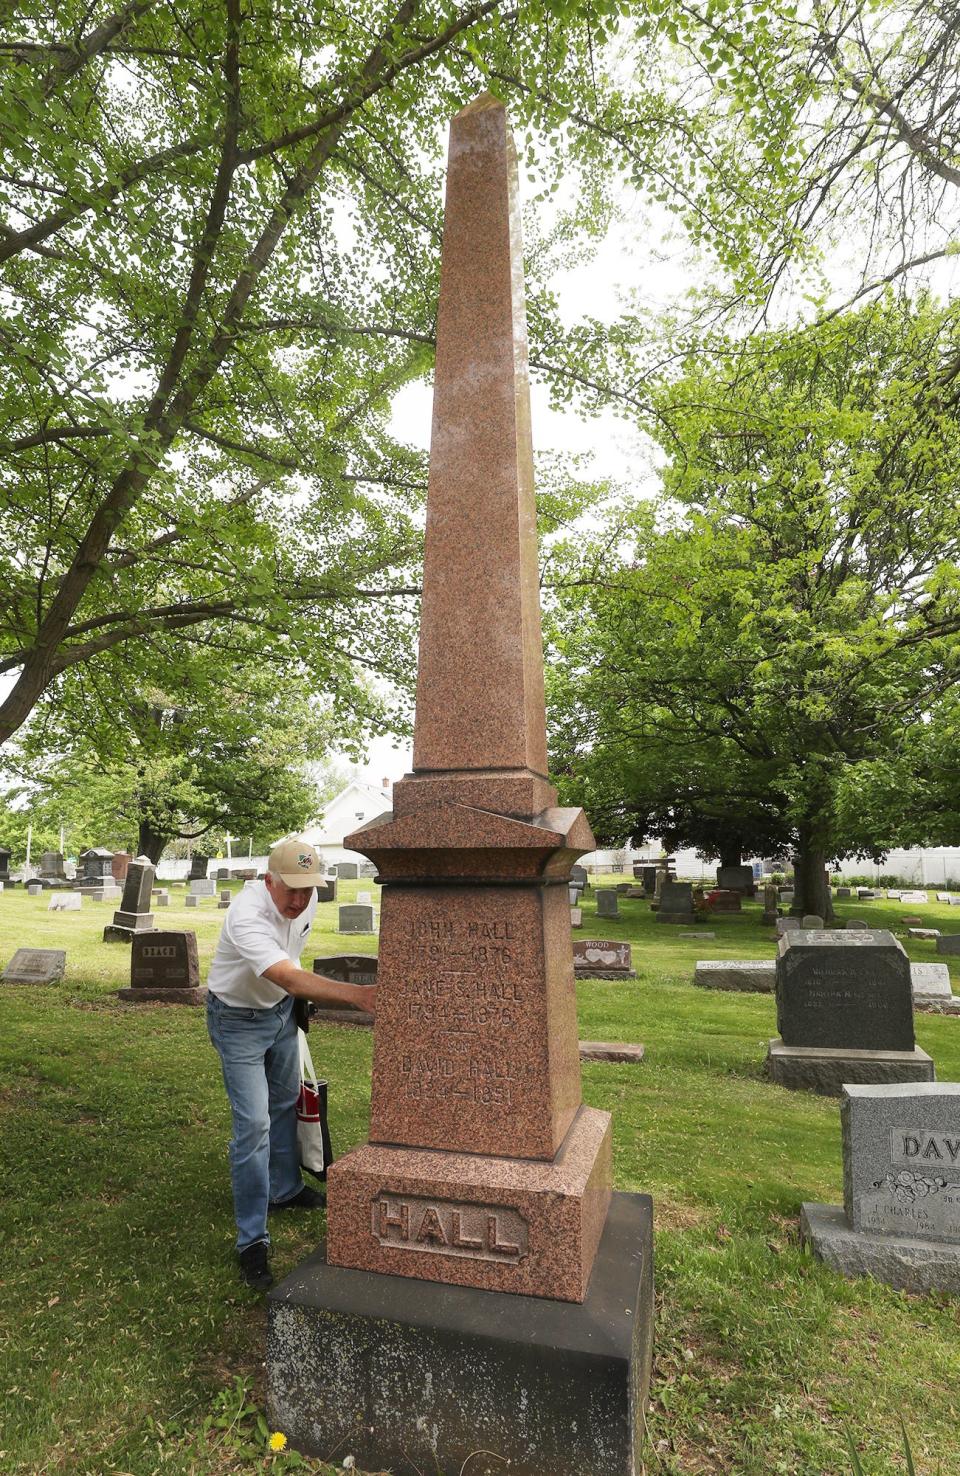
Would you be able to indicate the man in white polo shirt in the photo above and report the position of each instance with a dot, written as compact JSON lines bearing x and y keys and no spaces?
{"x":254,"y":979}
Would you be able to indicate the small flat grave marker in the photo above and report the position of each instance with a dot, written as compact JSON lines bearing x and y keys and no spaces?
{"x":64,"y":902}
{"x":602,"y":958}
{"x":35,"y":966}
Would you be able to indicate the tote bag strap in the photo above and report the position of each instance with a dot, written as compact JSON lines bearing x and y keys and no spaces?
{"x":306,"y":1060}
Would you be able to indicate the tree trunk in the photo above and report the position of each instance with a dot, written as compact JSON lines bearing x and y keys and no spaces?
{"x":811,"y":885}
{"x":150,"y":842}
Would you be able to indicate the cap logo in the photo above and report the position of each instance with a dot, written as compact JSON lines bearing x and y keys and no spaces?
{"x":304,"y":862}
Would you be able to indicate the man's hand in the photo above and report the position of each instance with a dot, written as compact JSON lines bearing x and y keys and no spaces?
{"x":320,"y":989}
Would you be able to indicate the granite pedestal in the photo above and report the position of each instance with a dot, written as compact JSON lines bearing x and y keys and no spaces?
{"x":825,"y":1071}
{"x":416,"y":1377}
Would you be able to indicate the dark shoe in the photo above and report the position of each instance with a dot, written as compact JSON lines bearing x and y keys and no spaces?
{"x":254,"y":1266}
{"x":306,"y":1199}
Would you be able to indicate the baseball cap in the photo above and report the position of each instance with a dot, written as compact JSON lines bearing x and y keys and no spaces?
{"x":296,"y":862}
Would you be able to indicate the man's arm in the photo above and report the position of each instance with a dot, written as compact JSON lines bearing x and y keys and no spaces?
{"x":320,"y":989}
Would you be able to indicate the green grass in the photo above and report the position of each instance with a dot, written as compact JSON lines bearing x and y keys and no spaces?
{"x":127,"y":1344}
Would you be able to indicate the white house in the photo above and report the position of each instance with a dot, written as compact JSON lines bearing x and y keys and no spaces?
{"x":347,"y":811}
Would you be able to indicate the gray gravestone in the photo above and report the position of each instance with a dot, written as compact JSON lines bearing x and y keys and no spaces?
{"x":356,"y":918}
{"x":900,"y":1221}
{"x":893,"y":896}
{"x":744,"y":976}
{"x":162,"y":898}
{"x":578,"y":877}
{"x":202,"y":888}
{"x":34,"y":887}
{"x":844,"y":1012}
{"x":811,"y":920}
{"x":608,"y":902}
{"x":923,"y":932}
{"x":843,"y":891}
{"x":930,"y":982}
{"x":51,"y":865}
{"x":65,"y":902}
{"x":602,"y":958}
{"x":837,"y":991}
{"x":576,"y":917}
{"x":35,"y":966}
{"x":948,"y":943}
{"x":676,"y":902}
{"x":736,"y":879}
{"x":914,"y":897}
{"x":786,"y":925}
{"x":4,"y":865}
{"x":225,"y":899}
{"x":346,"y":870}
{"x":192,"y":900}
{"x":133,"y":915}
{"x":198,"y":867}
{"x":327,"y":889}
{"x":164,"y":969}
{"x":856,"y":924}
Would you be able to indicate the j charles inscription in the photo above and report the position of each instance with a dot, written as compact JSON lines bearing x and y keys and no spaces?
{"x":478,"y":1231}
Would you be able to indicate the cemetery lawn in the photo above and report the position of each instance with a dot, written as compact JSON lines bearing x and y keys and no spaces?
{"x":127,"y":1343}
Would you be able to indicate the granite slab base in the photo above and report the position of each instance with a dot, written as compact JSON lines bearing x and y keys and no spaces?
{"x":937,"y":1005}
{"x":113,"y":933}
{"x":411,"y":1376}
{"x":610,"y":1050}
{"x":901,"y":1262}
{"x":320,"y":1016}
{"x":743,"y":976}
{"x":174,"y":996}
{"x":529,"y":1226}
{"x":825,"y":1070}
{"x":587,"y":973}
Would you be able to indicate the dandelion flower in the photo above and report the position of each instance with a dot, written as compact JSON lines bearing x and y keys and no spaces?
{"x":278,"y":1440}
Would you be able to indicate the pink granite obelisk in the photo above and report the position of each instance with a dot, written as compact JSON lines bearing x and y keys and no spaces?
{"x":483,"y":1167}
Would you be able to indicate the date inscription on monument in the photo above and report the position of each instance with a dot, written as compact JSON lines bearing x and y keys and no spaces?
{"x":480,"y":1232}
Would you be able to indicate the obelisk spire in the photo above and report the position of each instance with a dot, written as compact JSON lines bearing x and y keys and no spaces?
{"x":480,"y":699}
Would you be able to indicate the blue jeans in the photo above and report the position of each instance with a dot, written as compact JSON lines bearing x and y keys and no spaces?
{"x":260,"y":1056}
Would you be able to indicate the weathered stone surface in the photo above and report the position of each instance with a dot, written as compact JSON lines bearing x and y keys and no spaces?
{"x":35,"y":966}
{"x":724,"y":901}
{"x":483,"y":1167}
{"x":608,"y":1050}
{"x":787,"y":925}
{"x":901,"y":1160}
{"x":736,"y":879}
{"x":914,"y":897}
{"x":948,"y":943}
{"x":455,"y":1381}
{"x":676,"y":902}
{"x":327,"y":889}
{"x":840,"y":990}
{"x":844,"y":891}
{"x":909,"y":1264}
{"x":696,"y":933}
{"x":607,"y":902}
{"x":65,"y":902}
{"x":346,"y":870}
{"x":811,"y":920}
{"x":576,"y":917}
{"x":745,"y":976}
{"x":856,"y":924}
{"x":120,"y":864}
{"x":923,"y":932}
{"x":930,"y":981}
{"x":191,"y":900}
{"x":808,"y":1068}
{"x":530,"y":1227}
{"x":202,"y":887}
{"x":602,"y":958}
{"x":356,"y":917}
{"x":164,"y":960}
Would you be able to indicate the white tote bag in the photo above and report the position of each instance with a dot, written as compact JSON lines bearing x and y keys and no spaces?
{"x":313,"y":1134}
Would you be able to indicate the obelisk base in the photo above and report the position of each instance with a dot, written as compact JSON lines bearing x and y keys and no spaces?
{"x":524,"y":1226}
{"x":412,"y":1377}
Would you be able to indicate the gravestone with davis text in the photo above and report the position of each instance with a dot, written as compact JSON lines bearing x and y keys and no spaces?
{"x":164,"y":969}
{"x":900,"y":1220}
{"x":486,"y":1178}
{"x":844,"y":1012}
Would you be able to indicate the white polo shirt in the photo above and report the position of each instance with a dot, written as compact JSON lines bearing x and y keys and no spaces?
{"x":255,"y":936}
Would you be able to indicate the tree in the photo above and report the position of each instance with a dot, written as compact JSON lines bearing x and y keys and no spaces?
{"x":151,"y":767}
{"x":797,"y":603}
{"x":219,"y":259}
